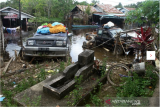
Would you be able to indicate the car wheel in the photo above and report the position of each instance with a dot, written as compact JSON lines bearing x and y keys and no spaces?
{"x":119,"y":50}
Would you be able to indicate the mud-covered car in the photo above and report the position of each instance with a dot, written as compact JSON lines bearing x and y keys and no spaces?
{"x":104,"y":35}
{"x":48,"y":45}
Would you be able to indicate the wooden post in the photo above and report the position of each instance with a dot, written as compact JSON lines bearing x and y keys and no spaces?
{"x":1,"y":38}
{"x":20,"y":25}
{"x":117,"y":41}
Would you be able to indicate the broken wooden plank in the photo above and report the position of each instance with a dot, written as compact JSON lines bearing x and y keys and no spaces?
{"x":106,"y":49}
{"x":6,"y":67}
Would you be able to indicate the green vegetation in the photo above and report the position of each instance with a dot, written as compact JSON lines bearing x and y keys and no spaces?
{"x":35,"y":101}
{"x":119,"y":5}
{"x":46,"y":10}
{"x":62,"y":66}
{"x":139,"y":86}
{"x":148,"y":9}
{"x":76,"y":93}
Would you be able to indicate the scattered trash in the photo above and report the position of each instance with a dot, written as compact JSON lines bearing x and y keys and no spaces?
{"x":10,"y":71}
{"x":35,"y":76}
{"x":150,"y":87}
{"x":57,"y":70}
{"x":15,"y":86}
{"x":30,"y":66}
{"x":14,"y":82}
{"x":24,"y":66}
{"x":50,"y":71}
{"x":49,"y":76}
{"x":93,"y":79}
{"x":1,"y":98}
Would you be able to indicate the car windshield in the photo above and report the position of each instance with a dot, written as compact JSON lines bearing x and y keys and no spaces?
{"x":115,"y":31}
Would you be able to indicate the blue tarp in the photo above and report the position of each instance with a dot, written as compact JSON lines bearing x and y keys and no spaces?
{"x":43,"y":31}
{"x":56,"y":23}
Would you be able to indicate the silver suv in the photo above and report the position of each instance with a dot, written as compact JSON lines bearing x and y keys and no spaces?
{"x":49,"y":45}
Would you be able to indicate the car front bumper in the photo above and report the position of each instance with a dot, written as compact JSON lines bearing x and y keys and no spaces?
{"x":45,"y":51}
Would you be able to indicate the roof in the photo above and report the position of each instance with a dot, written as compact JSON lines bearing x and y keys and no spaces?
{"x":130,"y":9}
{"x":83,"y":8}
{"x":99,"y":13}
{"x":109,"y":8}
{"x":3,"y":9}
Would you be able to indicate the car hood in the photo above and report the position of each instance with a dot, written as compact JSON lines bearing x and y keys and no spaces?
{"x":47,"y":38}
{"x":59,"y":36}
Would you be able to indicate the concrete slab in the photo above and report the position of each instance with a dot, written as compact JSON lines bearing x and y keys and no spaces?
{"x":29,"y":96}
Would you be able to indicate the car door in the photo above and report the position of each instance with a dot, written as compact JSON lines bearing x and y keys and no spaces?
{"x":105,"y":37}
{"x":98,"y":38}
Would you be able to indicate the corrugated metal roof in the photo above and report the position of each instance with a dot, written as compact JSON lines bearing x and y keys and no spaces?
{"x":99,"y":13}
{"x":83,"y":8}
{"x":5,"y":9}
{"x":130,"y":8}
{"x":109,"y":8}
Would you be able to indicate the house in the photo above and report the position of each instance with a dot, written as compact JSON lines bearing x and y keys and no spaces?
{"x":110,"y":13}
{"x":10,"y":17}
{"x":100,"y":13}
{"x":126,"y":9}
{"x":79,"y":10}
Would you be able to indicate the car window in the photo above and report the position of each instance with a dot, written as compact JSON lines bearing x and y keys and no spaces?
{"x":100,"y":32}
{"x":115,"y":31}
{"x":106,"y":35}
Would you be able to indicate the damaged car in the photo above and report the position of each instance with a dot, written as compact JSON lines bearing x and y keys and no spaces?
{"x":106,"y":37}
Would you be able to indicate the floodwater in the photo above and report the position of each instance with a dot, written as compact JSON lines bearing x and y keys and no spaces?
{"x":76,"y":42}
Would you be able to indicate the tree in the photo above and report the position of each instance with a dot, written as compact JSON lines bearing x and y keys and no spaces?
{"x":95,"y":2}
{"x":148,"y":13}
{"x":119,"y":5}
{"x":83,"y":3}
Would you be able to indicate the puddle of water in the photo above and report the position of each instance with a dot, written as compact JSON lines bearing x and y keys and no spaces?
{"x":11,"y":47}
{"x":76,"y":48}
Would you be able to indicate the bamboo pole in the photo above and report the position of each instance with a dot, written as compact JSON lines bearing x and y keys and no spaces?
{"x":6,"y":67}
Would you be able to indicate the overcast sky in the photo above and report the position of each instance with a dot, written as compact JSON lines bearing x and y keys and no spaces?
{"x":112,"y":2}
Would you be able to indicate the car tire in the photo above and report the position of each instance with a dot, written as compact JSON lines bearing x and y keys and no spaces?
{"x":119,"y":50}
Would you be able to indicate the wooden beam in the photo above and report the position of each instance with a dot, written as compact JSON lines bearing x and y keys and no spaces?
{"x":6,"y":67}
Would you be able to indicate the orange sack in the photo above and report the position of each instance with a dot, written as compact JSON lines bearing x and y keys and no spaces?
{"x":56,"y":29}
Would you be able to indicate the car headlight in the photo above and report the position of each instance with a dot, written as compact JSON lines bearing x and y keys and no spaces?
{"x":64,"y":43}
{"x":31,"y":42}
{"x":59,"y":43}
